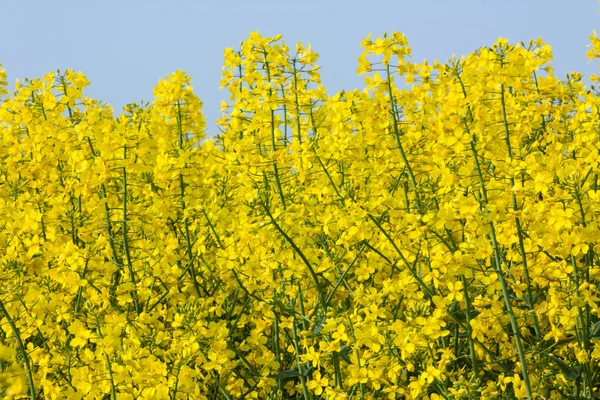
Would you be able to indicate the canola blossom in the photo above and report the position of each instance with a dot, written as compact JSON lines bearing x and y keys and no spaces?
{"x":432,"y":236}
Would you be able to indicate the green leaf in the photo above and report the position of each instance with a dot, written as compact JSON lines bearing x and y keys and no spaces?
{"x":568,"y":372}
{"x":292,"y":373}
{"x":344,"y":353}
{"x":595,"y":331}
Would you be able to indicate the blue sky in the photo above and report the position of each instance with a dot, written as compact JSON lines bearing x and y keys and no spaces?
{"x":125,"y":46}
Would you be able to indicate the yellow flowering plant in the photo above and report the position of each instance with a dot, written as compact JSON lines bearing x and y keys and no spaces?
{"x":433,"y":236}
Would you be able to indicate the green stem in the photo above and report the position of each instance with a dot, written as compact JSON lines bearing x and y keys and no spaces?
{"x":115,"y":259}
{"x":298,"y":361}
{"x":414,"y":274}
{"x":502,"y":279}
{"x":191,"y":268}
{"x":396,"y":133}
{"x":273,"y":141}
{"x":22,"y":349}
{"x":297,"y":103}
{"x":530,"y":302}
{"x":134,"y":294}
{"x":113,"y":392}
{"x":313,"y":274}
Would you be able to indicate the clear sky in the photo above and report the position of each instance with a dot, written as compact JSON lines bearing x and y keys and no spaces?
{"x":125,"y":46}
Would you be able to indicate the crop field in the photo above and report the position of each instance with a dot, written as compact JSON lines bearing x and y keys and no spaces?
{"x":433,"y":235}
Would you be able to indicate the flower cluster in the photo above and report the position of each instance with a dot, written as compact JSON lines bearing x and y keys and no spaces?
{"x":435,"y":239}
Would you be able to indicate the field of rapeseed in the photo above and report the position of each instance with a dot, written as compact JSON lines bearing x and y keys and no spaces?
{"x":433,"y":236}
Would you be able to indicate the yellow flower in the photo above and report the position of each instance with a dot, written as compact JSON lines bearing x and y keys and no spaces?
{"x":594,"y":51}
{"x":317,"y":383}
